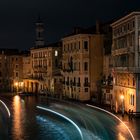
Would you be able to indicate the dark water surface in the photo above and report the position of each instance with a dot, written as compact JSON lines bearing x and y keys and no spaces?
{"x":30,"y":123}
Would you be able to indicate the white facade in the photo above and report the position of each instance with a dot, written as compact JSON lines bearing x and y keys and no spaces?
{"x":126,"y":62}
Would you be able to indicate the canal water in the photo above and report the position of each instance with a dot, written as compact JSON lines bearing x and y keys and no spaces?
{"x":27,"y":122}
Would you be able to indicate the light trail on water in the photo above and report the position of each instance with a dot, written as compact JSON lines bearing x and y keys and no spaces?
{"x":8,"y":111}
{"x":56,"y":113}
{"x":114,"y":117}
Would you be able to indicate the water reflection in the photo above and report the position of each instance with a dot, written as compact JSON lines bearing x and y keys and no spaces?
{"x":18,"y":114}
{"x":123,"y":132}
{"x":29,"y":123}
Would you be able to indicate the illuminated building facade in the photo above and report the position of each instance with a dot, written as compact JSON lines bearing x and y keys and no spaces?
{"x":45,"y":65}
{"x":126,"y":62}
{"x":82,"y":64}
{"x":11,"y":69}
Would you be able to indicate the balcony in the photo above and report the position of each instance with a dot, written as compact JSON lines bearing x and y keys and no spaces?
{"x":120,"y":51}
{"x":78,"y":84}
{"x":134,"y":69}
{"x":74,"y":83}
{"x":121,"y":69}
{"x":127,"y":69}
{"x":40,"y":68}
{"x":109,"y":87}
{"x":86,"y":84}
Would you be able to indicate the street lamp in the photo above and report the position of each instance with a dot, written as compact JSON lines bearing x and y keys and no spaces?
{"x":122,"y":100}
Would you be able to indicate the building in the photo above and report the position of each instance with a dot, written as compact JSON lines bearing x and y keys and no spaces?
{"x":126,"y":62}
{"x":11,"y":70}
{"x":107,"y":80}
{"x":27,"y":67}
{"x":45,"y":65}
{"x":82,"y":65}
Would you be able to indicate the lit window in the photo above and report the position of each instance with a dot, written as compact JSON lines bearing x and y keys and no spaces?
{"x":56,"y":53}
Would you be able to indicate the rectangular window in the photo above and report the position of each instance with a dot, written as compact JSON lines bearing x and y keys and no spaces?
{"x":85,"y":66}
{"x":86,"y":89}
{"x":79,"y":45}
{"x":16,"y":66}
{"x":79,"y":80}
{"x":86,"y":45}
{"x":16,"y":74}
{"x":86,"y":79}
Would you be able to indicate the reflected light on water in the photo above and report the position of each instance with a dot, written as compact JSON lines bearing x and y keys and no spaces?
{"x":120,"y":137}
{"x":121,"y":122}
{"x":17,"y":117}
{"x":122,"y":132}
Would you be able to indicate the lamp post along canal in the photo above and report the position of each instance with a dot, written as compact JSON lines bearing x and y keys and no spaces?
{"x":122,"y":102}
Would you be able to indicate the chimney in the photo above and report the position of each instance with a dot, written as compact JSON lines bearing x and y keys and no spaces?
{"x":97,"y":27}
{"x":77,"y":30}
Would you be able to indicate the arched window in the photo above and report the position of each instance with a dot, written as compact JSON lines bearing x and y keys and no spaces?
{"x":133,"y":100}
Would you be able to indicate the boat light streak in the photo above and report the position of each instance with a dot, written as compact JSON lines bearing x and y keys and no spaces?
{"x":66,"y":118}
{"x":113,"y":116}
{"x":6,"y":108}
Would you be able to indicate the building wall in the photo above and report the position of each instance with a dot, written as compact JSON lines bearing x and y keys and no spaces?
{"x":96,"y":65}
{"x":16,"y":71}
{"x":78,"y":65}
{"x":45,"y":63}
{"x":11,"y":70}
{"x":4,"y":73}
{"x":27,"y":67}
{"x":107,"y":80}
{"x":126,"y":61}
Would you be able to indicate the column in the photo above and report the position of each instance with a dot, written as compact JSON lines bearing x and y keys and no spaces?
{"x":137,"y":97}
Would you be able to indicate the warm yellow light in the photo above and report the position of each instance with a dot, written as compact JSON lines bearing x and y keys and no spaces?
{"x":21,"y":84}
{"x":16,"y":83}
{"x":122,"y":97}
{"x":16,"y":99}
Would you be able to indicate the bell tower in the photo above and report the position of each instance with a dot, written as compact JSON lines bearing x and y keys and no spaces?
{"x":39,"y":33}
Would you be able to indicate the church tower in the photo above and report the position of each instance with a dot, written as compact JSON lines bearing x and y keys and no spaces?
{"x":39,"y":33}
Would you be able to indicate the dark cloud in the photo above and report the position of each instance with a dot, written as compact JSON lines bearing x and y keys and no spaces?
{"x":17,"y":24}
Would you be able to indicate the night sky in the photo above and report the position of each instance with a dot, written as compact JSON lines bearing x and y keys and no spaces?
{"x":18,"y":17}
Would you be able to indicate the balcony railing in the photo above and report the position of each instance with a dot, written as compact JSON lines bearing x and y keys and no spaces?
{"x":134,"y":69}
{"x":86,"y":84}
{"x":120,"y":51}
{"x":74,"y":83}
{"x":78,"y":84}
